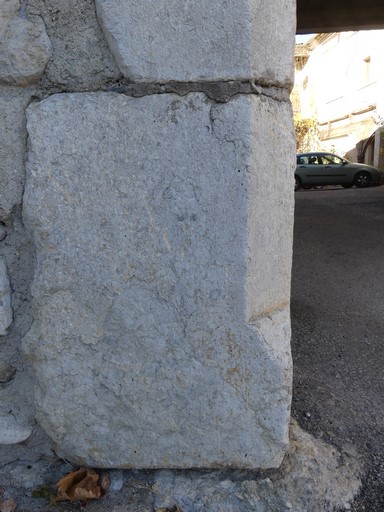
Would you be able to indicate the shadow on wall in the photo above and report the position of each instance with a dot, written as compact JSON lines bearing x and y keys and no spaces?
{"x":369,"y":151}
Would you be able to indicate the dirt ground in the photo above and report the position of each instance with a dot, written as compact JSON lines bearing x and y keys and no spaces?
{"x":338,"y":325}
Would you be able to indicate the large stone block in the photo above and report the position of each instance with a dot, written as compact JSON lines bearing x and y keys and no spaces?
{"x":166,"y":40}
{"x":162,"y":228}
{"x":24,"y":45}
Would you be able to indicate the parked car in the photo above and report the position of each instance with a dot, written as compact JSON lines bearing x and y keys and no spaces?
{"x":315,"y":169}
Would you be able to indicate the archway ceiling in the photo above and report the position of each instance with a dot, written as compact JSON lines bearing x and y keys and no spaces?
{"x":337,"y":15}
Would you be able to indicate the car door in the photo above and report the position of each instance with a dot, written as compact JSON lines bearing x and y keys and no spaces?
{"x":334,"y":171}
{"x":310,"y":169}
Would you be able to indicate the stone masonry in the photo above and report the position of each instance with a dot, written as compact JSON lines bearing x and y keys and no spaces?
{"x":158,"y":196}
{"x":25,"y":47}
{"x":5,"y":299}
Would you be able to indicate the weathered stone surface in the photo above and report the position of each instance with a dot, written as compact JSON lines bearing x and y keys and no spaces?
{"x":145,"y":215}
{"x":17,"y":395}
{"x":206,"y":40}
{"x":3,"y":232}
{"x":11,"y":432}
{"x":313,"y":477}
{"x":81,"y":58}
{"x":13,"y":136}
{"x":9,"y":9}
{"x":24,"y":46}
{"x":5,"y":299}
{"x":7,"y":372}
{"x":21,"y":475}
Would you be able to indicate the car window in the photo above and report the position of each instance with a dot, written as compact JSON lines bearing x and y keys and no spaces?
{"x":331,"y":159}
{"x":308,"y":160}
{"x":314,"y":160}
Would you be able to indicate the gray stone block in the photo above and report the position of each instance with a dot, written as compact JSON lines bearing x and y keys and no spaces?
{"x":161,"y":327}
{"x":24,"y":46}
{"x":201,"y":41}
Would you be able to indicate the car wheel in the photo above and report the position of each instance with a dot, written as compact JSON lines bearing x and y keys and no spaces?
{"x":297,"y":183}
{"x":307,"y":187}
{"x":347,"y":186}
{"x":362,"y":179}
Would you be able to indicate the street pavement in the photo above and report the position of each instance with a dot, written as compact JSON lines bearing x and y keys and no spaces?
{"x":338,"y":325}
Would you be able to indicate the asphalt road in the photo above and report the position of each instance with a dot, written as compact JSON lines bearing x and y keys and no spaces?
{"x":338,"y":325}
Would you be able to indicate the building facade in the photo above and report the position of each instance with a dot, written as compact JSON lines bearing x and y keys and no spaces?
{"x":339,"y":80}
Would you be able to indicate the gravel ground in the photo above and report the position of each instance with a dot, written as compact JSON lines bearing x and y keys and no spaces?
{"x":338,"y":325}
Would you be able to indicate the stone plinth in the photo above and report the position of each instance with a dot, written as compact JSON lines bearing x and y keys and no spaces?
{"x":162,"y":227}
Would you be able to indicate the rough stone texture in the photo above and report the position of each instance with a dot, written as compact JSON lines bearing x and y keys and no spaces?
{"x":7,"y":372}
{"x":3,"y":232}
{"x":16,"y":395}
{"x":13,"y":136}
{"x":5,"y":299}
{"x":81,"y":58}
{"x":145,"y":215}
{"x":10,"y":431}
{"x":24,"y":45}
{"x":313,"y":477}
{"x":207,"y":40}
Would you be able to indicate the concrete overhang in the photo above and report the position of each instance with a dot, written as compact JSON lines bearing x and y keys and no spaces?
{"x":315,"y":16}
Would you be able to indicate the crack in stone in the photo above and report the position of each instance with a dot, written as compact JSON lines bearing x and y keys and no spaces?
{"x":218,"y":91}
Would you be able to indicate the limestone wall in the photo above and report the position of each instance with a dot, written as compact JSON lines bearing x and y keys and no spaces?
{"x":146,"y":230}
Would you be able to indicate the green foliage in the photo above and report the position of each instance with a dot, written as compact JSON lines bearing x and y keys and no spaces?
{"x":307,"y":138}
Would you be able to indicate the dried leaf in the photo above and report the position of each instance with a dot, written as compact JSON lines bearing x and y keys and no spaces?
{"x":8,"y":505}
{"x":104,"y":483}
{"x":80,"y":485}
